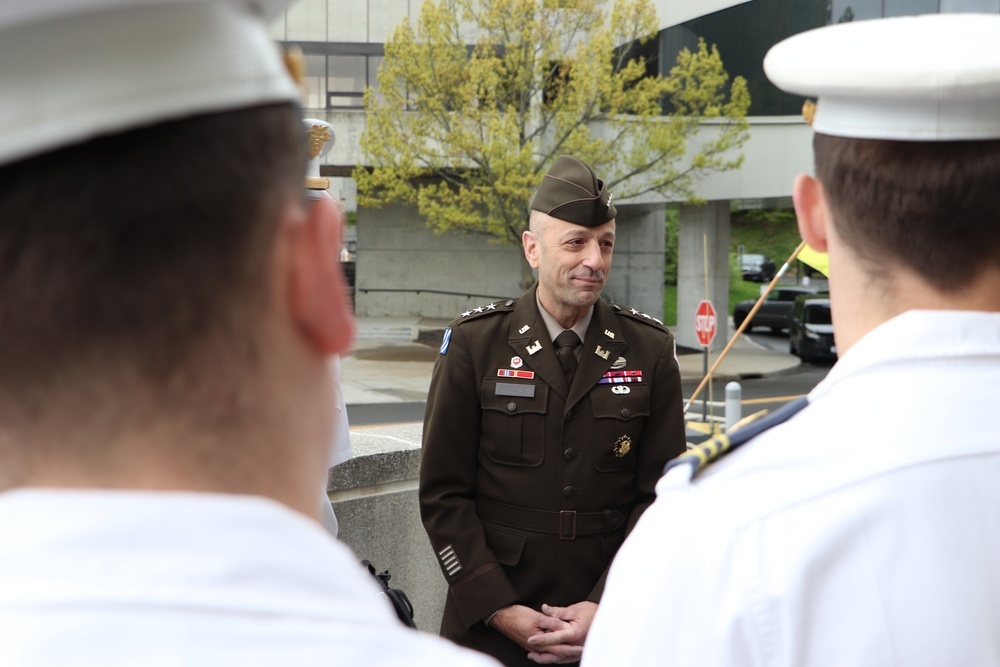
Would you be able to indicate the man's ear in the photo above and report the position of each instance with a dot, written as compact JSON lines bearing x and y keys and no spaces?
{"x":530,"y":243}
{"x":811,"y":211}
{"x":319,"y":298}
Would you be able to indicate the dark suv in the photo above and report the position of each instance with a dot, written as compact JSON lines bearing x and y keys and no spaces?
{"x":775,"y":312}
{"x":811,"y":334}
{"x":757,"y":268}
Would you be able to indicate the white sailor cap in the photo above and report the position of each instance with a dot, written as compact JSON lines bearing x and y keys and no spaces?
{"x":934,"y":77}
{"x":320,"y":137}
{"x":77,"y":69}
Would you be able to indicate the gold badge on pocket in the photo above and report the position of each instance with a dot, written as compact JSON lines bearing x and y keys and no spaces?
{"x":622,"y":446}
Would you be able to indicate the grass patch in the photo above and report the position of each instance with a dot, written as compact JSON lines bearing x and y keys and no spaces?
{"x":772,"y":232}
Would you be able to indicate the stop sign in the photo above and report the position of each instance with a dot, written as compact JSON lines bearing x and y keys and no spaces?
{"x":704,"y":322}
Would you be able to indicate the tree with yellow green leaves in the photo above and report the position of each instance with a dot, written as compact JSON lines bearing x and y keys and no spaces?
{"x":476,"y":100}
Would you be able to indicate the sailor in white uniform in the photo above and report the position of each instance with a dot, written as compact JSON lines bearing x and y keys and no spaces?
{"x":169,"y":310}
{"x":860,"y":526}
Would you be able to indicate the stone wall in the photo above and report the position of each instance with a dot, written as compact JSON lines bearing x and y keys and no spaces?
{"x":375,"y":498}
{"x":405,"y":269}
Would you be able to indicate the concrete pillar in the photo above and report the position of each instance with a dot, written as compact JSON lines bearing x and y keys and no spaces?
{"x":703,"y":229}
{"x":636,"y":277}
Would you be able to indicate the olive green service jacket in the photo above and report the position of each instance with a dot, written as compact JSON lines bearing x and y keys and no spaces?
{"x":527,"y":486}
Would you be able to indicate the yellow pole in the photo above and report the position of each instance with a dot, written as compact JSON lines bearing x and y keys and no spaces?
{"x":746,"y":323}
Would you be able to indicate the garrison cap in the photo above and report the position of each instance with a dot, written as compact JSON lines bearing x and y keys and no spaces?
{"x":320,"y":138}
{"x":572,"y":192}
{"x":78,"y":69}
{"x":934,"y":77}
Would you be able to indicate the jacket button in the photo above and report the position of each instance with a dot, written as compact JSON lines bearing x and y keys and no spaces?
{"x":568,"y":491}
{"x":569,"y":454}
{"x":512,"y":406}
{"x":626,"y":412}
{"x":569,"y":415}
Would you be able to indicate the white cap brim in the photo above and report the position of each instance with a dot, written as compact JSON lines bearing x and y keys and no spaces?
{"x":933,"y":77}
{"x":76,"y":75}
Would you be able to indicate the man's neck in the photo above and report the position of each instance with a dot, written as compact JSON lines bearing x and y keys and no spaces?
{"x":565,"y":317}
{"x":861,"y":302}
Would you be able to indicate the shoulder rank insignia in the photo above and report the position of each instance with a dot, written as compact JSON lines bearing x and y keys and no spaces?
{"x":638,"y":315}
{"x":492,"y":307}
{"x":699,"y":456}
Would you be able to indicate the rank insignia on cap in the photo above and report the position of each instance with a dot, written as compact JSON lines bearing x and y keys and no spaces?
{"x":619,"y":364}
{"x":445,"y":340}
{"x":320,"y":138}
{"x":623,"y":446}
{"x":516,"y":362}
{"x":534,"y":347}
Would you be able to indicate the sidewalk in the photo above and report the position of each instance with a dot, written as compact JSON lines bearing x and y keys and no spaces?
{"x":387,"y":363}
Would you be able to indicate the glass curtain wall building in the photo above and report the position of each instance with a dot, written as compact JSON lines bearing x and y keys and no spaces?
{"x":340,"y":71}
{"x":744,"y":34}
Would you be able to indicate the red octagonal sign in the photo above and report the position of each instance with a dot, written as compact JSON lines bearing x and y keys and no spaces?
{"x":704,"y":322}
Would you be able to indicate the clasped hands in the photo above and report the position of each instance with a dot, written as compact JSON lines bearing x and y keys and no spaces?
{"x":553,"y":636}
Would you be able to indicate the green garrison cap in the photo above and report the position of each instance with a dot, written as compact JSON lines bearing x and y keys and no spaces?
{"x":572,"y":192}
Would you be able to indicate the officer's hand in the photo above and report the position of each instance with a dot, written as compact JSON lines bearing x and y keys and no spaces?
{"x":563,"y":645}
{"x":519,"y":623}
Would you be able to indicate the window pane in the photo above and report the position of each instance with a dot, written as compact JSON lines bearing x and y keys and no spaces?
{"x":348,"y":74}
{"x":910,"y":7}
{"x":856,"y":10}
{"x":374,"y":62}
{"x":983,"y":6}
{"x":315,"y":83}
{"x":346,"y":101}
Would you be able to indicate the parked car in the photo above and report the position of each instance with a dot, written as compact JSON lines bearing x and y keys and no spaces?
{"x":776,"y":310}
{"x":757,"y":268}
{"x":811,"y":334}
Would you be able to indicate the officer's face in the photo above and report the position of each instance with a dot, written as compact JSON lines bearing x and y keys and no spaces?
{"x":573,"y":262}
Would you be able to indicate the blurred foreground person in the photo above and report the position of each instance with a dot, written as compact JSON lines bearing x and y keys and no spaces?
{"x":859,"y":526}
{"x":169,"y":305}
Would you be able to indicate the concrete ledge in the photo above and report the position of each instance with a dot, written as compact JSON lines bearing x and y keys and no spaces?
{"x":375,"y":498}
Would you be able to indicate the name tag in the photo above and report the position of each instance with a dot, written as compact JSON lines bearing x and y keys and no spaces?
{"x":512,"y":389}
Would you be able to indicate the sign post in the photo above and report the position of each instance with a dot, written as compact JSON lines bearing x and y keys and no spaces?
{"x":704,"y":328}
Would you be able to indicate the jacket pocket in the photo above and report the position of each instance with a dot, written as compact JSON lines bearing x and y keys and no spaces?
{"x":619,"y":418}
{"x":507,"y":546}
{"x":514,"y":422}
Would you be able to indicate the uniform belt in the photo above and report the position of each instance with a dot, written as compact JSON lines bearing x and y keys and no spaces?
{"x":567,"y":524}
